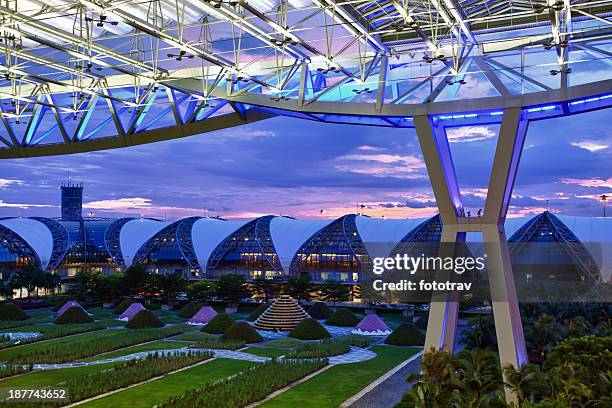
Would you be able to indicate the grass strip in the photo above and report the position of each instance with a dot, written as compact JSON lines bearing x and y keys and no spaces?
{"x":220,"y":344}
{"x":323,"y":348}
{"x":154,"y":392}
{"x":247,"y":387}
{"x":266,"y":351}
{"x":78,"y":348}
{"x":340,"y":382}
{"x":151,"y":346}
{"x":126,"y":374}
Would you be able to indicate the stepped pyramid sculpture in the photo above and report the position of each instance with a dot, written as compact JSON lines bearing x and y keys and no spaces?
{"x":204,"y":315}
{"x":68,"y":305}
{"x":131,"y":311}
{"x":284,"y":314}
{"x":372,"y":325}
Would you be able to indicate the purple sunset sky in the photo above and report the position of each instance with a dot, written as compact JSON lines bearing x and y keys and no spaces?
{"x":295,"y":167}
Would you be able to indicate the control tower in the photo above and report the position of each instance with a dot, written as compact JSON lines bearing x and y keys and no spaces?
{"x":72,"y":202}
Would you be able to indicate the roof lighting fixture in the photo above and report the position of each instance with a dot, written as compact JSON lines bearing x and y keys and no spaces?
{"x":554,"y":72}
{"x":429,"y":59}
{"x":284,"y":41}
{"x":456,"y":81}
{"x":101,"y":21}
{"x":279,"y":98}
{"x":182,"y":54}
{"x":328,"y":70}
{"x":360,"y":91}
{"x":540,"y":8}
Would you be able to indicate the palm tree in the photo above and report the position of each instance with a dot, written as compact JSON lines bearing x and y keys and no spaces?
{"x":478,"y":373}
{"x":300,"y":287}
{"x":526,"y":383}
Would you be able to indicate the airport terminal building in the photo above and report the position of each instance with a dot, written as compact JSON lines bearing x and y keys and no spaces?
{"x":269,"y":246}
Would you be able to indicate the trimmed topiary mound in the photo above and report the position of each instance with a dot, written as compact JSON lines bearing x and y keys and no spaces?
{"x":320,"y":311}
{"x":190,"y":309}
{"x":144,"y":319}
{"x":219,"y":324}
{"x":406,"y":334}
{"x":121,"y":307}
{"x":241,"y":331}
{"x":309,"y":329}
{"x":74,"y":315}
{"x":58,"y":306}
{"x":343,"y":318}
{"x":422,"y":321}
{"x":258,"y":311}
{"x":11,"y":311}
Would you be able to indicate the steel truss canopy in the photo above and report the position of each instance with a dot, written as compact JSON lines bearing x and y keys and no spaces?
{"x":84,"y":75}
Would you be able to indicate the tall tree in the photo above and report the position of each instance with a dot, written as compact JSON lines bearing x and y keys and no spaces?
{"x":136,"y":280}
{"x":335,"y":291}
{"x":231,"y":288}
{"x":201,"y":290}
{"x":169,"y":286}
{"x":300,"y":287}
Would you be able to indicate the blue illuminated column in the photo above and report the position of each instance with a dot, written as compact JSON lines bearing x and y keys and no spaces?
{"x":444,"y":308}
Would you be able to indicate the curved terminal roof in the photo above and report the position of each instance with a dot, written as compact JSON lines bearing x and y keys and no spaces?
{"x":208,"y":233}
{"x":288,"y":235}
{"x":36,"y":234}
{"x":135,"y":233}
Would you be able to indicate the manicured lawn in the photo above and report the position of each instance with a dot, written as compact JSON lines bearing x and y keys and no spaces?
{"x":52,"y":377}
{"x":155,"y":345}
{"x":266,"y":351}
{"x":150,"y":394}
{"x":286,"y":342}
{"x":9,"y":353}
{"x":334,"y":386}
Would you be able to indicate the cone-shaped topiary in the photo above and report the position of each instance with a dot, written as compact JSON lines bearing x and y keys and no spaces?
{"x":258,"y":311}
{"x":343,"y":318}
{"x":309,"y":329}
{"x":406,"y":334}
{"x":74,"y":315}
{"x":58,"y":306}
{"x":319,"y":311}
{"x":242,"y":331}
{"x":190,"y":309}
{"x":219,"y":324}
{"x":144,"y":319}
{"x":11,"y":311}
{"x":422,"y":321}
{"x":121,"y":307}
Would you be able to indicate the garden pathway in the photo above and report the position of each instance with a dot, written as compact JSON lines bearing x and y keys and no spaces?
{"x":355,"y":355}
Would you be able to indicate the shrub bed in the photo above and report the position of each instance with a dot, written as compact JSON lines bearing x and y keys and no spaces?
{"x":258,"y":312}
{"x":78,"y":349}
{"x":247,"y":387}
{"x":324,"y":348}
{"x":190,"y":309}
{"x":406,"y":334}
{"x":320,"y":311}
{"x":422,"y":321}
{"x":219,"y":324}
{"x":343,"y":318}
{"x":220,"y":344}
{"x":241,"y":331}
{"x":356,"y":340}
{"x":144,"y":319}
{"x":12,"y":312}
{"x":74,"y":315}
{"x":9,"y":371}
{"x":131,"y":372}
{"x":60,"y":331}
{"x":309,"y":329}
{"x":121,"y":307}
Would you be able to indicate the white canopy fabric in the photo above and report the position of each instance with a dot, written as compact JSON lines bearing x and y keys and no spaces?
{"x":208,"y":233}
{"x":289,"y":234}
{"x":135,"y":233}
{"x":36,"y":234}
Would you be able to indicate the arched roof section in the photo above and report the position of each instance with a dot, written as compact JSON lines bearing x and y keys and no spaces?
{"x":164,"y":245}
{"x":61,"y":241}
{"x":112,"y":241}
{"x":35,"y":234}
{"x":208,"y":233}
{"x":248,"y":249}
{"x":135,"y":233}
{"x":289,"y":234}
{"x":336,"y":249}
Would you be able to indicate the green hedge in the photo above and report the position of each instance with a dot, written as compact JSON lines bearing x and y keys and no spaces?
{"x":74,"y":315}
{"x":325,"y":348}
{"x":343,"y":318}
{"x":247,"y":387}
{"x":422,"y":321}
{"x":309,"y":329}
{"x":12,"y":312}
{"x":219,"y":324}
{"x":59,"y":305}
{"x":190,"y":309}
{"x":144,"y":319}
{"x":406,"y":334}
{"x":154,"y":306}
{"x":320,"y":311}
{"x":121,"y":307}
{"x":220,"y":344}
{"x":258,"y":312}
{"x":241,"y":331}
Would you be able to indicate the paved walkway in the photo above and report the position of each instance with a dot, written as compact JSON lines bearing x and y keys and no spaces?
{"x":355,"y":355}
